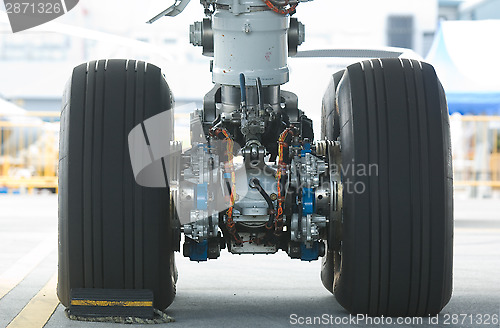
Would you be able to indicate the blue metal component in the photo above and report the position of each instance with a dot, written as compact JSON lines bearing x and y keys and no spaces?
{"x":203,"y":146}
{"x":305,"y":150}
{"x":243,"y":89}
{"x":198,"y":251}
{"x":308,"y":201}
{"x":227,"y":175}
{"x":309,"y":254}
{"x":202,"y":196}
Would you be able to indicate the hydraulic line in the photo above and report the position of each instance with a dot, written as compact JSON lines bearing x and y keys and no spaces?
{"x":243,"y":90}
{"x":255,"y":184}
{"x":260,"y":96}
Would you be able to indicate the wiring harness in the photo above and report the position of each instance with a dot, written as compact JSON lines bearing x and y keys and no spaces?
{"x":282,"y":171}
{"x":222,"y":134}
{"x":284,"y":7}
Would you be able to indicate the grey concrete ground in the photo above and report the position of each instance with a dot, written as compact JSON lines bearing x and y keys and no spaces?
{"x":254,"y":291}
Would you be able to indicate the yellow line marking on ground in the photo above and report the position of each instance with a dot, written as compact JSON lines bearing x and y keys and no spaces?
{"x":111,"y":303}
{"x":39,"y":310}
{"x":17,"y":272}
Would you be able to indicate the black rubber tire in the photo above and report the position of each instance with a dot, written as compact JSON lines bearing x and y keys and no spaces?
{"x":330,"y":130}
{"x":329,"y":267}
{"x":330,"y":126}
{"x":397,"y":235}
{"x":113,"y":234}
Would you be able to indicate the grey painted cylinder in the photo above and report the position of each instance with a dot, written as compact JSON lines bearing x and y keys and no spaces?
{"x":254,"y":43}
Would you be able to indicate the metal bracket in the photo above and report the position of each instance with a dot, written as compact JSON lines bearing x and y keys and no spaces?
{"x":171,"y":11}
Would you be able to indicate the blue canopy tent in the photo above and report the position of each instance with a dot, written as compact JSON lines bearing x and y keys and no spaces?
{"x":466,"y":55}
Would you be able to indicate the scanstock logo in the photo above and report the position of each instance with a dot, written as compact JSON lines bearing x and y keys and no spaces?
{"x":25,"y":14}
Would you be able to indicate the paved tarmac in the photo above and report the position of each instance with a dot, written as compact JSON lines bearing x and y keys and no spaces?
{"x":240,"y":291}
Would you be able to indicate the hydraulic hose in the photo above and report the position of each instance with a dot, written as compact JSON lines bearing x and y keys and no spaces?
{"x":260,"y":96}
{"x":255,"y":184}
{"x":243,"y":89}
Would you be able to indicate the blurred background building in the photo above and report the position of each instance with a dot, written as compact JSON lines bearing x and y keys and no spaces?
{"x":458,"y":37}
{"x":479,"y":10}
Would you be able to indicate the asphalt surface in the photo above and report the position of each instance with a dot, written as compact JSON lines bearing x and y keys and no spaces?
{"x":245,"y":290}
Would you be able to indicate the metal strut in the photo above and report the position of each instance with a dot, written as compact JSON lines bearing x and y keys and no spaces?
{"x":174,"y":10}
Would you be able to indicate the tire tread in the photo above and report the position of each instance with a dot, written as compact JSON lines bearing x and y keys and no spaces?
{"x":104,"y":214}
{"x":398,"y":234}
